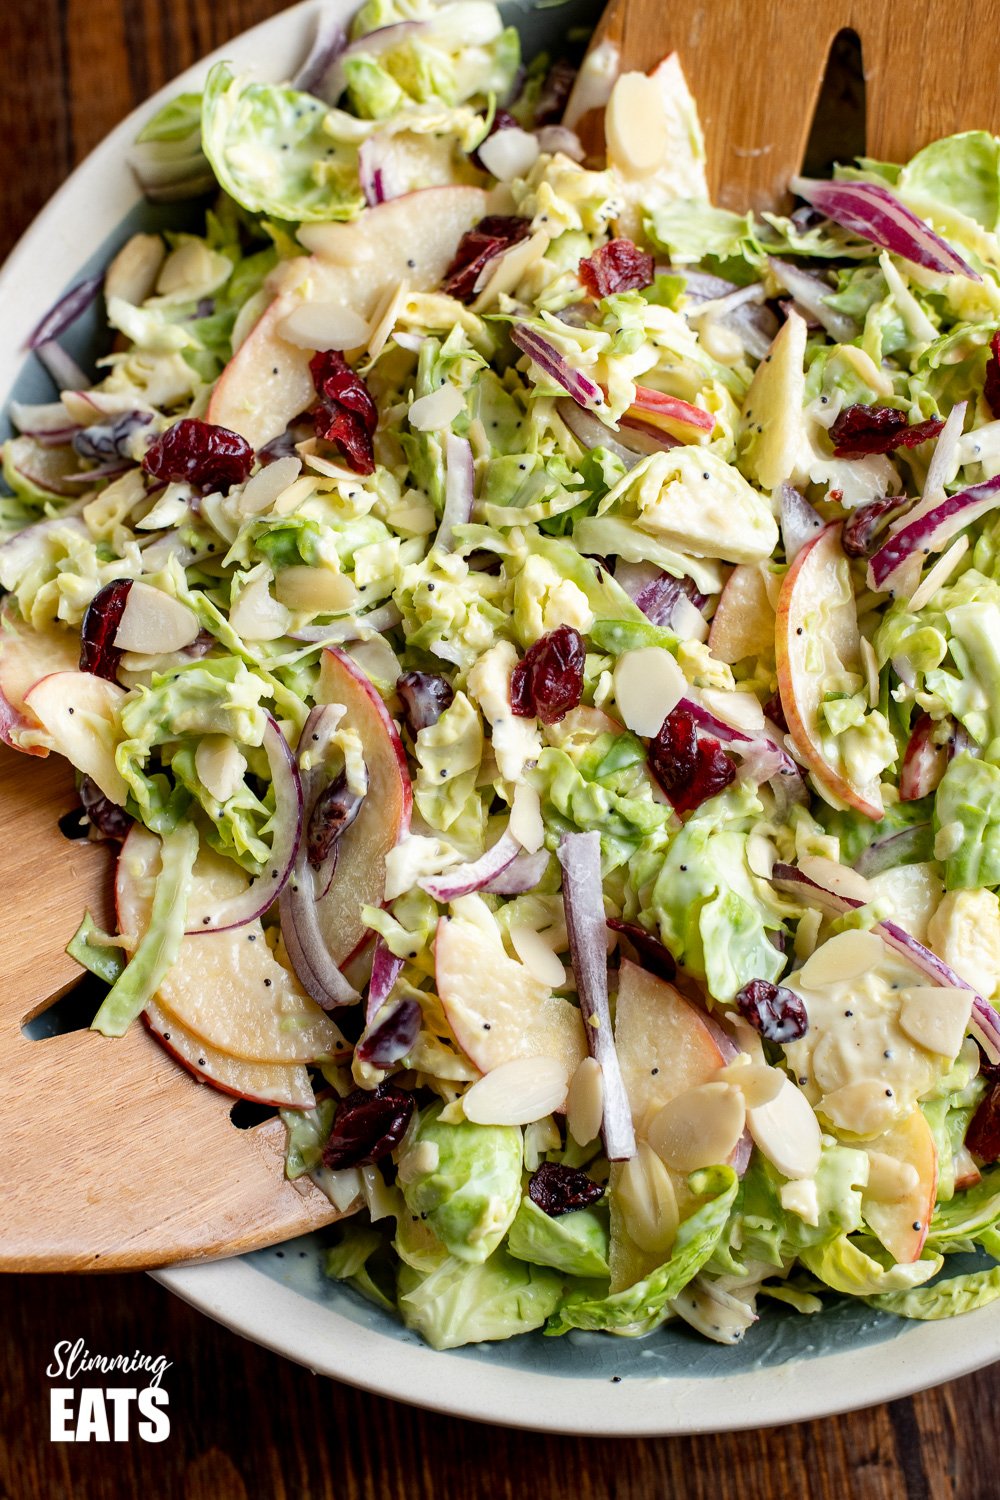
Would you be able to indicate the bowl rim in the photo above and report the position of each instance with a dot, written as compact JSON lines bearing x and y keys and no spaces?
{"x":82,"y":217}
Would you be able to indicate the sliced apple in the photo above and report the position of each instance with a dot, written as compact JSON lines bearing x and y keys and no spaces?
{"x":226,"y":989}
{"x":78,"y":713}
{"x":495,"y":1006}
{"x":743,"y":623}
{"x":816,"y":638}
{"x":26,"y":656}
{"x":411,"y":240}
{"x":281,"y":1084}
{"x":902,"y":1186}
{"x":664,"y":1048}
{"x":359,"y":879}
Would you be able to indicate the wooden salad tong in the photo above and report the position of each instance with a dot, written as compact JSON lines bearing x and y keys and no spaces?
{"x":113,"y":1156}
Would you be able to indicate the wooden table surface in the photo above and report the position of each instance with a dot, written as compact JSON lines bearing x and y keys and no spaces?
{"x":246,"y":1423}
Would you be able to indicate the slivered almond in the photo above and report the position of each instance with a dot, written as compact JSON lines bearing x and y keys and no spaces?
{"x":526,"y":818}
{"x":537,"y":955}
{"x":758,"y":1083}
{"x":838,"y":877}
{"x":220,"y":765}
{"x":324,"y":325}
{"x":645,"y":1194}
{"x":636,"y":126}
{"x":133,"y":272}
{"x":437,"y":410}
{"x":517,"y":1092}
{"x":787,"y":1132}
{"x":845,"y":956}
{"x":648,"y":686}
{"x":321,"y":591}
{"x":935,"y":1017}
{"x":700,"y":1127}
{"x":263,"y":488}
{"x":585,"y":1102}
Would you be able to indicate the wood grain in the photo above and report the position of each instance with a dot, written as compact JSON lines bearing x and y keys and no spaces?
{"x":245,"y":1423}
{"x":756,"y":67}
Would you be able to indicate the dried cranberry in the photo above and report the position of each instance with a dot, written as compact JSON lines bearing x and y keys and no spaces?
{"x":859,"y":535}
{"x":778,"y":1014}
{"x":554,"y":92}
{"x":367,"y":1126}
{"x":983,"y":1134}
{"x":502,"y":120}
{"x":860,"y":430}
{"x":424,"y":696}
{"x":200,"y":454}
{"x":991,"y":382}
{"x":618,"y":266}
{"x":549,"y":680}
{"x":393,"y":1037}
{"x":651,"y":951}
{"x":107,"y":819}
{"x":98,"y":653}
{"x":477,"y":247}
{"x":690,"y":767}
{"x":332,"y":814}
{"x":346,"y":413}
{"x":557,"y":1189}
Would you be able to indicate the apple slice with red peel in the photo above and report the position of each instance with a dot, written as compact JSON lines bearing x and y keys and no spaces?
{"x":26,"y":656}
{"x":283,"y":1085}
{"x":359,"y":879}
{"x":743,"y":623}
{"x":410,"y":239}
{"x":495,"y":1006}
{"x":78,"y":714}
{"x":902,"y":1186}
{"x":677,"y":418}
{"x":227,"y":989}
{"x":664,"y":1048}
{"x":816,"y":636}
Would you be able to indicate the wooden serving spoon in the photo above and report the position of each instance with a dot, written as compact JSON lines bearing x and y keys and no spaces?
{"x":756,"y":68}
{"x":114,"y":1157}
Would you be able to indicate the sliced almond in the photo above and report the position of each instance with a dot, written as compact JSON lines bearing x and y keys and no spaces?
{"x":761,"y":855}
{"x":537,"y":955}
{"x":644,"y":1192}
{"x":585,"y":1102}
{"x":758,"y":1083}
{"x":801,"y":1198}
{"x":256,"y":616}
{"x":324,"y":325}
{"x":863,"y":1108}
{"x":437,"y":410}
{"x":517,"y":1092}
{"x":648,"y":685}
{"x":635,"y":125}
{"x":787,"y":1132}
{"x":154,"y":623}
{"x":936,"y":1017}
{"x":526,"y":818}
{"x":505,"y":271}
{"x":838,"y":877}
{"x":133,"y":272}
{"x":263,"y":488}
{"x":890,"y":1180}
{"x":741,"y":710}
{"x":938,"y":575}
{"x":870,"y":662}
{"x":319,"y":591}
{"x":377,"y":660}
{"x":220,"y":765}
{"x":845,"y":956}
{"x":509,"y":153}
{"x":700,"y":1127}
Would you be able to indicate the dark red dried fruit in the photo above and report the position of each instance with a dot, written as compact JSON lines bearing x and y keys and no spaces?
{"x":424,"y":696}
{"x":689,"y":766}
{"x":557,"y":1189}
{"x":98,"y":653}
{"x":548,"y":682}
{"x":861,"y":430}
{"x":991,"y":383}
{"x":502,"y":120}
{"x":618,"y":266}
{"x":200,"y":454}
{"x":108,"y":820}
{"x":860,"y":533}
{"x":778,"y":1014}
{"x":477,"y":247}
{"x":554,"y":92}
{"x":983,"y":1134}
{"x":367,"y":1126}
{"x":346,"y":414}
{"x":393,"y":1037}
{"x":333,"y":812}
{"x":652,"y":954}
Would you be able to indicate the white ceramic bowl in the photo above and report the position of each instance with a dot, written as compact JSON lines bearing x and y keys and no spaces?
{"x":788,"y":1368}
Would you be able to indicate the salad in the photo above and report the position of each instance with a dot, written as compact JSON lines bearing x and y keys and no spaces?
{"x":535,"y":637}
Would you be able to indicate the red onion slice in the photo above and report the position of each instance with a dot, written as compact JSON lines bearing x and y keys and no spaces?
{"x":930,"y":532}
{"x":521,"y":875}
{"x":591,"y":432}
{"x":70,"y":306}
{"x":459,"y":489}
{"x":386,"y":969}
{"x":800,"y":521}
{"x":350,"y":627}
{"x":985,"y":1023}
{"x":266,"y":888}
{"x":462,"y":880}
{"x":328,"y":45}
{"x":334,"y":78}
{"x":810,"y":292}
{"x":583,"y":898}
{"x":586,"y":392}
{"x":372,"y":173}
{"x":62,"y":367}
{"x":871,"y":211}
{"x":897,"y":849}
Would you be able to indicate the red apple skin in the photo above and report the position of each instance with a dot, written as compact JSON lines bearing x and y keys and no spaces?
{"x":202,"y":1077}
{"x":13,"y":725}
{"x":359,"y":879}
{"x":823,"y":551}
{"x":25,"y":658}
{"x":743,"y":623}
